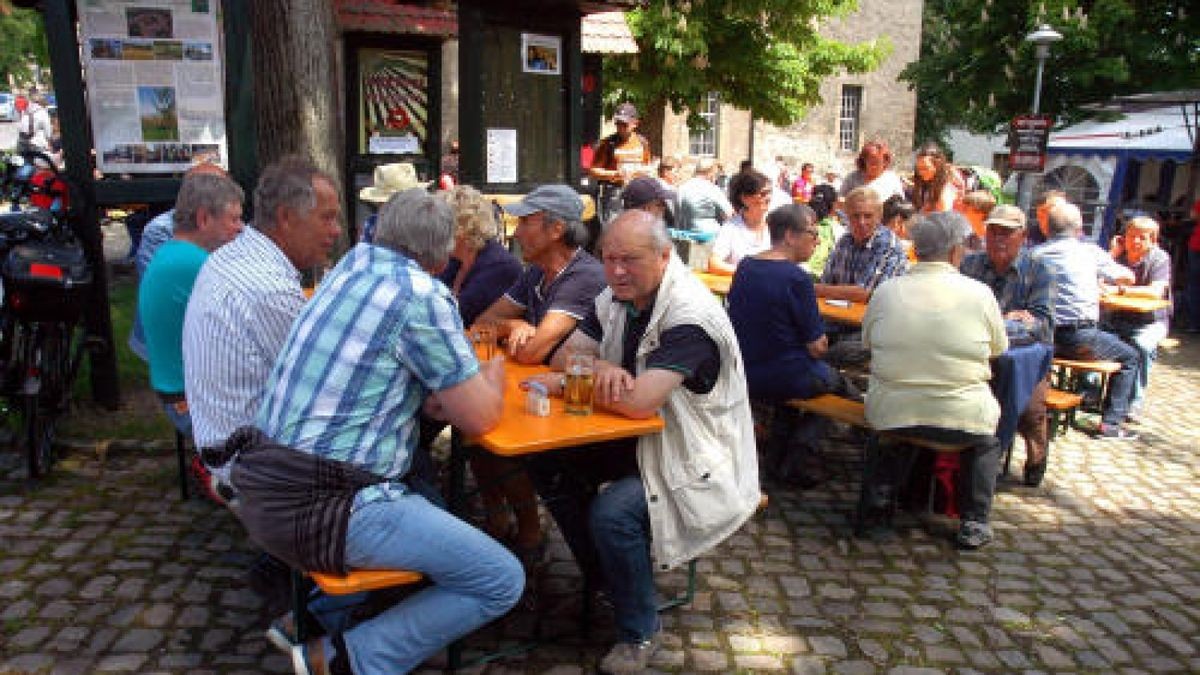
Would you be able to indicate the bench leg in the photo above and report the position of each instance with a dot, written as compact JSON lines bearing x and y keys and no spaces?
{"x":181,"y":459}
{"x":688,"y":595}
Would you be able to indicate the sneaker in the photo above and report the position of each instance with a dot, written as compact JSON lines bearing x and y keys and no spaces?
{"x":972,"y":534}
{"x":1115,"y":432}
{"x":208,"y":482}
{"x":629,"y":657}
{"x":282,"y":633}
{"x":309,"y":658}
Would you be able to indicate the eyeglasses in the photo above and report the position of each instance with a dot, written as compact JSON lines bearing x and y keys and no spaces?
{"x":813,"y":232}
{"x":765,"y":192}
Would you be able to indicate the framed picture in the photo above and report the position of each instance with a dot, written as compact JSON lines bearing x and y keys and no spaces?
{"x":541,"y":54}
{"x":393,"y":101}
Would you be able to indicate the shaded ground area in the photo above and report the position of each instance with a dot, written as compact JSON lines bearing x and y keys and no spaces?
{"x":104,"y":570}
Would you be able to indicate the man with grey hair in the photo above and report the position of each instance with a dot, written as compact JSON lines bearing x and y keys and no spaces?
{"x":932,"y":334}
{"x":665,"y":346}
{"x":380,"y":341}
{"x":1079,"y":267}
{"x":208,"y":215}
{"x":558,"y":285}
{"x":243,"y":303}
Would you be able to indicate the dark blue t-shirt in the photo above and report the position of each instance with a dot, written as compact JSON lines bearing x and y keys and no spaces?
{"x":495,"y":270}
{"x":773,"y":308}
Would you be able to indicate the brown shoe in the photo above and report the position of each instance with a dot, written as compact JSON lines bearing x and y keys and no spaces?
{"x":309,"y":658}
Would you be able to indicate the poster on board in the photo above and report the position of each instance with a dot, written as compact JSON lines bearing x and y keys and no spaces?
{"x":155,"y":83}
{"x":393,"y":103}
{"x":541,"y":54}
{"x":501,"y":155}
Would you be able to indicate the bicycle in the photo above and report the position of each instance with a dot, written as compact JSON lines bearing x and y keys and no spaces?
{"x":46,"y":278}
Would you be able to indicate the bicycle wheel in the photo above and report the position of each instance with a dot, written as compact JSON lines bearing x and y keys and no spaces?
{"x":41,"y":392}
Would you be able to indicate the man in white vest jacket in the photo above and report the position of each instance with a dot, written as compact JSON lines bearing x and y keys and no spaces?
{"x":663,"y":346}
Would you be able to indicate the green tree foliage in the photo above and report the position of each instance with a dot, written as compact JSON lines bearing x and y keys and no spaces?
{"x":22,"y":42}
{"x":762,"y":55}
{"x":977,"y":71}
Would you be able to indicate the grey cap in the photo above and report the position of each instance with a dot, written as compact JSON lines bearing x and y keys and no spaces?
{"x":1006,"y":215}
{"x":559,"y":200}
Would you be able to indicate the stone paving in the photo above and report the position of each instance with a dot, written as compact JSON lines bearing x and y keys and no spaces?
{"x":103,"y":569}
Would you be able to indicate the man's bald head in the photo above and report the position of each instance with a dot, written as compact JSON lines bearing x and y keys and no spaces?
{"x":637,"y":250}
{"x":1064,"y":219}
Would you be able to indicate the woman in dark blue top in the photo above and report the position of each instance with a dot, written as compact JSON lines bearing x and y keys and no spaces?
{"x":774,"y":312}
{"x":480,"y":268}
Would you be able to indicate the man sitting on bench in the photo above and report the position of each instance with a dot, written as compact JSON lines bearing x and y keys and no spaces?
{"x":932,"y":333}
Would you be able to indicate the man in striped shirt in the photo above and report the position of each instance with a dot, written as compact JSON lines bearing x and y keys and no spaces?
{"x":248,"y":294}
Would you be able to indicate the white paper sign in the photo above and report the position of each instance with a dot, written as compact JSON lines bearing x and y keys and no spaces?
{"x":393,"y":145}
{"x":501,"y":155}
{"x":155,"y":83}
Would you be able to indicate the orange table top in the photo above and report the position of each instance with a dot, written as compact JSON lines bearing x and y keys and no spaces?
{"x":717,"y":283}
{"x":851,"y":316}
{"x":520,"y":433}
{"x":1133,"y":303}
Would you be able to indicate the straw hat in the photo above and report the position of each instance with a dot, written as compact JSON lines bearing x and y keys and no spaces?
{"x":390,"y":179}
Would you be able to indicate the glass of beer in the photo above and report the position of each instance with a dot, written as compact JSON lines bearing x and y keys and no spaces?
{"x":579,"y":383}
{"x":483,"y":336}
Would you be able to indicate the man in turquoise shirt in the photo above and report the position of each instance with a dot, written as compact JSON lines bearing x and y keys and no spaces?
{"x":208,"y":214}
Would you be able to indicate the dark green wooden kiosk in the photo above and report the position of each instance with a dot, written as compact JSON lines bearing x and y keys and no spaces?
{"x":498,"y":89}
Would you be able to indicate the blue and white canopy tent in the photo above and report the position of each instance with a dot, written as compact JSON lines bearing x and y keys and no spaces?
{"x":1143,"y":160}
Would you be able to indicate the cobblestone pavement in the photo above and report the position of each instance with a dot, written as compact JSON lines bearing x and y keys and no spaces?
{"x":103,"y":569}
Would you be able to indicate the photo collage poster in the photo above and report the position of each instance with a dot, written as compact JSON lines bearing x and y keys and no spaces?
{"x":155,"y":83}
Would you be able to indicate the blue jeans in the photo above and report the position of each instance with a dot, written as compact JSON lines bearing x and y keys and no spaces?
{"x":607,"y":530}
{"x":474,"y":580}
{"x":1145,"y":340}
{"x":1095,"y":344}
{"x":182,"y":421}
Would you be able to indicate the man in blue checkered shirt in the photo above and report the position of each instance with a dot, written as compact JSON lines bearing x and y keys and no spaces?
{"x":380,"y":341}
{"x":1079,"y":267}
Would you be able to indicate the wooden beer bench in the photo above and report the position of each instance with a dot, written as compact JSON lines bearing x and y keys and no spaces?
{"x":853,"y":413}
{"x":1068,"y":375}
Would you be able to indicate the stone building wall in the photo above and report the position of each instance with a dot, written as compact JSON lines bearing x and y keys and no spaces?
{"x":888,"y":107}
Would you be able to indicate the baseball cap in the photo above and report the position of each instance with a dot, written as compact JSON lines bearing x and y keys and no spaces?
{"x":559,"y":200}
{"x":1006,"y":215}
{"x":643,"y":190}
{"x":625,"y":113}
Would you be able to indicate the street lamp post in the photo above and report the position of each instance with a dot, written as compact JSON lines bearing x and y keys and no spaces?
{"x":1042,"y":38}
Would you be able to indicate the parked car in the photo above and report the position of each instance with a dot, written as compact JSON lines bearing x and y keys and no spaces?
{"x":8,"y":108}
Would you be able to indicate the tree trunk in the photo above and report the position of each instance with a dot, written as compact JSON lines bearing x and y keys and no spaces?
{"x":651,"y":125}
{"x":296,"y":88}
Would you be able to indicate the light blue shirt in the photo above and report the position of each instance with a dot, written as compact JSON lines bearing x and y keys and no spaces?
{"x":1077,"y":267}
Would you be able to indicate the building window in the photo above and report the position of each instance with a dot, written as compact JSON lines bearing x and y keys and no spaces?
{"x":848,"y":117}
{"x":703,"y":142}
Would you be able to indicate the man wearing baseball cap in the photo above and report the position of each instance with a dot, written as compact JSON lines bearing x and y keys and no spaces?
{"x":651,"y":195}
{"x":1024,"y":289}
{"x":618,"y":158}
{"x":561,"y":281}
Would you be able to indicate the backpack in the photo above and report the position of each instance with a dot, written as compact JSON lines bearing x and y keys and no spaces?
{"x":983,"y":178}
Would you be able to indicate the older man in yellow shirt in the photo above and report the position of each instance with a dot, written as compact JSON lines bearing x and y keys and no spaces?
{"x":932,"y":333}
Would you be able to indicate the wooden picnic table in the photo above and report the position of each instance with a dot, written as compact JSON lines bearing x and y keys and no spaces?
{"x":1132,"y":303}
{"x":717,"y":283}
{"x":851,"y":315}
{"x":520,"y":433}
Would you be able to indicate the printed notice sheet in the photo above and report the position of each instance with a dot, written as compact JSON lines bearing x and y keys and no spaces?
{"x":155,"y":83}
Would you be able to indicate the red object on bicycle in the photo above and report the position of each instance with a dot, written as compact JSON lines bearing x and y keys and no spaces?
{"x":47,"y":189}
{"x":44,"y":271}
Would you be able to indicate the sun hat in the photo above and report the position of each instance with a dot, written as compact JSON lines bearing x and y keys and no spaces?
{"x":390,"y":179}
{"x":1006,"y":215}
{"x":559,"y":200}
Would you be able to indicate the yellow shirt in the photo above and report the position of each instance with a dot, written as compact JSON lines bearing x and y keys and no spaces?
{"x":932,"y":333}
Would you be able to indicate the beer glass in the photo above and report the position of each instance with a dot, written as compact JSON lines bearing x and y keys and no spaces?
{"x":579,"y":383}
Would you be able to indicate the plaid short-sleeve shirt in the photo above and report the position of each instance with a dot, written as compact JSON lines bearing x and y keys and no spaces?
{"x":378,"y":336}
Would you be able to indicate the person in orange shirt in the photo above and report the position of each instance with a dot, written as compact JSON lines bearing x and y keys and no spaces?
{"x":619,"y":158}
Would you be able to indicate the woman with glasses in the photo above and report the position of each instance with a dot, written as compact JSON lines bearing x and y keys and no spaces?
{"x":746,"y":233}
{"x":773,"y":308}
